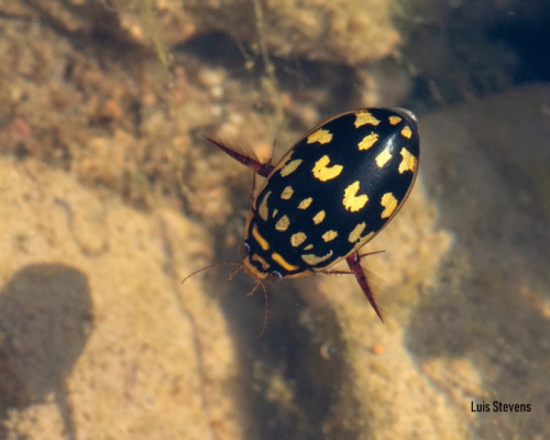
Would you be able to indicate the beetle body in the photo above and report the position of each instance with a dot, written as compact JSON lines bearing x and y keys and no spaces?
{"x":331,"y":193}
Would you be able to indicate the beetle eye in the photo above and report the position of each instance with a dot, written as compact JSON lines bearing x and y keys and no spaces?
{"x":244,"y":250}
{"x":275,"y":276}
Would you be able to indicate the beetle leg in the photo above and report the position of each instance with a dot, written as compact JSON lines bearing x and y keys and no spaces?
{"x":263,"y":169}
{"x":252,"y":193}
{"x":336,"y":272}
{"x":354,"y":263}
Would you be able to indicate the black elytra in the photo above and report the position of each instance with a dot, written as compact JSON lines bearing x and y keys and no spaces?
{"x":331,"y":193}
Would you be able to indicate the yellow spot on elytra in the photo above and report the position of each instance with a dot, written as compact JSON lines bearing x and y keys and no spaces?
{"x":406,"y":132}
{"x":304,"y":204}
{"x":363,"y":117}
{"x":290,"y":167}
{"x":285,"y":264}
{"x":322,"y":136}
{"x":389,"y":202}
{"x":329,"y":235}
{"x":313,"y":259}
{"x":263,"y":263}
{"x":287,"y":193}
{"x":319,"y":217}
{"x":323,"y":172}
{"x":263,"y":210}
{"x":261,"y":240}
{"x":352,"y":202}
{"x":355,"y":235}
{"x":275,"y":212}
{"x":383,"y":158}
{"x":408,"y":163}
{"x":368,"y":141}
{"x":282,"y":224}
{"x":394,"y":120}
{"x":308,"y":247}
{"x":297,"y":239}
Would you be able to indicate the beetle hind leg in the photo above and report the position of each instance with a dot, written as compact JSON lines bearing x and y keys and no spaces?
{"x":354,"y":263}
{"x":261,"y":168}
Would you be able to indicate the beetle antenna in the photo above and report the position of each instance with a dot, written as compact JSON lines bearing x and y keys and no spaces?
{"x":210,"y":266}
{"x":266,"y":311}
